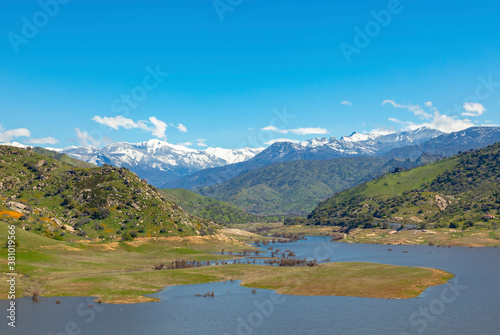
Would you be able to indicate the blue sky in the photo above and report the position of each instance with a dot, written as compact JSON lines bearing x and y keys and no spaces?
{"x":243,"y":72}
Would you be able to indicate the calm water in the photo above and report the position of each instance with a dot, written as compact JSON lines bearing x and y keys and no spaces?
{"x":469,"y":304}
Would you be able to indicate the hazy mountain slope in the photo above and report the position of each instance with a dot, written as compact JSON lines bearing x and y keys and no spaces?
{"x":450,"y":144}
{"x":461,"y":191}
{"x":61,"y":201}
{"x":211,"y":209}
{"x":295,"y":188}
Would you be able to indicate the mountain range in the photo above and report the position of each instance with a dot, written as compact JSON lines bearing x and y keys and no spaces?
{"x":409,"y":144}
{"x":159,"y":161}
{"x":314,"y":149}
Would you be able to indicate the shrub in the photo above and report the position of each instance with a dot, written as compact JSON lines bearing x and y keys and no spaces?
{"x":127,"y":237}
{"x":100,"y":213}
{"x":98,"y":226}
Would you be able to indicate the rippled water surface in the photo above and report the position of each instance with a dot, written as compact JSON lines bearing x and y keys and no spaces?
{"x":469,"y":304}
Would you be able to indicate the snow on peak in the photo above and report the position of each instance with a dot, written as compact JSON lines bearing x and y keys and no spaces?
{"x":155,"y":157}
{"x":233,"y":155}
{"x":357,"y":137}
{"x":315,"y":142}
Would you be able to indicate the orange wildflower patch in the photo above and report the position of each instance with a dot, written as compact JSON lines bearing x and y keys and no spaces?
{"x":12,"y":214}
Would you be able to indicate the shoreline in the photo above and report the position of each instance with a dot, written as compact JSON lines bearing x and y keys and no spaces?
{"x":428,"y":277}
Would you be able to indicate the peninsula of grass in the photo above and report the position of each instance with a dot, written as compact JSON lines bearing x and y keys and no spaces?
{"x":122,"y":272}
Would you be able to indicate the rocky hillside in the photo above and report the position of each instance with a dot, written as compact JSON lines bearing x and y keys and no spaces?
{"x":457,"y":192}
{"x":60,"y":201}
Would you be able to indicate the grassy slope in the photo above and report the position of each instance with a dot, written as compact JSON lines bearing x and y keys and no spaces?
{"x":295,"y":187}
{"x":122,"y":272}
{"x":467,"y":184}
{"x":104,"y":202}
{"x":211,"y":209}
{"x":64,"y":158}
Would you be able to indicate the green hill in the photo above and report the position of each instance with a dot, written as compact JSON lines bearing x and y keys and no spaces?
{"x":457,"y":192}
{"x":212,"y":209}
{"x":63,"y":158}
{"x":295,"y":188}
{"x":57,"y":200}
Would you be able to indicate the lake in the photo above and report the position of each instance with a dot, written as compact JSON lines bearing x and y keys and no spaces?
{"x":469,"y":304}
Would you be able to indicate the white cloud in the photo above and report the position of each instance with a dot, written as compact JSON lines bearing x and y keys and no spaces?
{"x":159,"y":127}
{"x":446,"y":123}
{"x":382,"y":131}
{"x":182,"y":128}
{"x":473,"y":109}
{"x":442,"y":123}
{"x":298,"y":131}
{"x":396,"y":120}
{"x":279,"y":140}
{"x":415,"y":109}
{"x":9,"y":135}
{"x":154,"y":126}
{"x":346,"y":103}
{"x":186,"y":144}
{"x":85,"y":139}
{"x":439,"y":121}
{"x":119,"y":121}
{"x":44,"y":140}
{"x":201,"y":142}
{"x":308,"y":131}
{"x":271,"y":128}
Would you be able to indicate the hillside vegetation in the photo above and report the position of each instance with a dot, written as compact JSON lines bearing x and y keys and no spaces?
{"x":60,"y":201}
{"x":295,"y":188}
{"x":458,"y":192}
{"x":211,"y":209}
{"x":63,"y":158}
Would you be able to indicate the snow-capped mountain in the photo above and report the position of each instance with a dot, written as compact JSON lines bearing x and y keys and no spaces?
{"x":314,"y":149}
{"x":404,"y":145}
{"x":354,"y":144}
{"x":159,"y":161}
